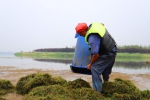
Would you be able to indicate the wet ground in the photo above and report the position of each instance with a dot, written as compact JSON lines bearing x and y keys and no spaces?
{"x":13,"y":74}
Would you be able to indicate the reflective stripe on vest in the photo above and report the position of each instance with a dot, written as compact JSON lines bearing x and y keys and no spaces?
{"x":96,"y":28}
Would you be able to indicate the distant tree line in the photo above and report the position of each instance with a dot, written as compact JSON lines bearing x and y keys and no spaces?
{"x":134,"y":49}
{"x":121,"y":49}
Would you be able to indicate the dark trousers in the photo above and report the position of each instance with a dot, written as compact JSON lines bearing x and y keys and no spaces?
{"x":103,"y":66}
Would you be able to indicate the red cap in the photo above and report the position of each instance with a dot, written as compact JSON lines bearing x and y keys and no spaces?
{"x":81,"y":27}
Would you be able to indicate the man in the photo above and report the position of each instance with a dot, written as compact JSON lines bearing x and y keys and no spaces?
{"x":103,"y":48}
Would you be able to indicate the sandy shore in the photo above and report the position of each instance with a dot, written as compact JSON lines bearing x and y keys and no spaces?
{"x":142,"y":81}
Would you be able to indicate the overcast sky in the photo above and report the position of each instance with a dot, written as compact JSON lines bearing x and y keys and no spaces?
{"x":26,"y":25}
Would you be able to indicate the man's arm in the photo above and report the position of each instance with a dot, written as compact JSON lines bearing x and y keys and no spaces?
{"x":94,"y":42}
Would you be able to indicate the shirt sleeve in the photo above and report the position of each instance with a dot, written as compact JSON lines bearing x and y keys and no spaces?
{"x":94,"y":42}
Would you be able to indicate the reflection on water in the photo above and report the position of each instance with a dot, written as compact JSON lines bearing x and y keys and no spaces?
{"x":53,"y":64}
{"x":123,"y":67}
{"x":130,"y":65}
{"x":133,"y":65}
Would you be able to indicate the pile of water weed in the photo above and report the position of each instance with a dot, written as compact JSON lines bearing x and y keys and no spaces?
{"x":27,"y":83}
{"x":57,"y":92}
{"x":59,"y":80}
{"x":146,"y":94}
{"x":51,"y":92}
{"x":2,"y":98}
{"x":123,"y":90}
{"x":78,"y":83}
{"x":58,"y":88}
{"x":87,"y":94}
{"x":6,"y":87}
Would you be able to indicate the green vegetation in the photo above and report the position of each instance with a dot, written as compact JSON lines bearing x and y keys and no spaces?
{"x":121,"y":57}
{"x":2,"y":98}
{"x":25,"y":84}
{"x":121,"y":89}
{"x":5,"y":88}
{"x":46,"y":55}
{"x":132,"y":57}
{"x":40,"y":86}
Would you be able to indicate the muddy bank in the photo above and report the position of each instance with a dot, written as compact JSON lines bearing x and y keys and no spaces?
{"x":13,"y":74}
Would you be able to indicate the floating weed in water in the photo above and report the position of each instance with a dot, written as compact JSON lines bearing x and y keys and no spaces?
{"x":6,"y":87}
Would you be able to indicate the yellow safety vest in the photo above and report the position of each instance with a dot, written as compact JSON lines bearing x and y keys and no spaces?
{"x":96,"y":28}
{"x":107,"y":40}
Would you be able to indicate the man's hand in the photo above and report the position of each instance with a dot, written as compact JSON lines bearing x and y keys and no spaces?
{"x":89,"y":66}
{"x":94,"y":58}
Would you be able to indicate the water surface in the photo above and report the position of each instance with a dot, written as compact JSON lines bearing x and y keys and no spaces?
{"x":8,"y":59}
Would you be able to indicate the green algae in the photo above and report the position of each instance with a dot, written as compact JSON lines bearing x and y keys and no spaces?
{"x":121,"y":89}
{"x":45,"y":87}
{"x":57,"y":92}
{"x":59,"y":80}
{"x":6,"y":87}
{"x":78,"y":83}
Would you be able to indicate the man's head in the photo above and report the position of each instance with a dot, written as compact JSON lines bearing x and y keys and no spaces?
{"x":81,"y":29}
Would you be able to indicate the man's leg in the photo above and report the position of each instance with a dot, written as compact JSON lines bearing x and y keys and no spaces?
{"x":108,"y":69}
{"x":97,"y":68}
{"x":96,"y":80}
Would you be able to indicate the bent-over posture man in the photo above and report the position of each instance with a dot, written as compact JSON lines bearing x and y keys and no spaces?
{"x":103,"y":48}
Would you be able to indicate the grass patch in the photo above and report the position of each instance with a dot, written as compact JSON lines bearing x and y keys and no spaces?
{"x":121,"y":57}
{"x":132,"y":57}
{"x":46,"y":55}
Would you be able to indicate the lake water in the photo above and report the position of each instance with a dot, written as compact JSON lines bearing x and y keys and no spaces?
{"x":8,"y":59}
